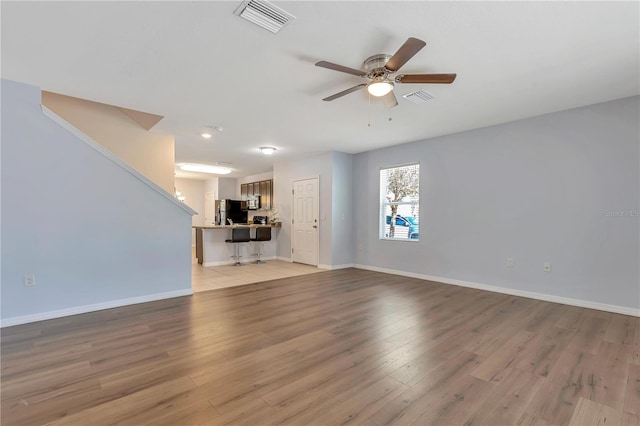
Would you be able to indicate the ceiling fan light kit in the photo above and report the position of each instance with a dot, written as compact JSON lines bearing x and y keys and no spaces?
{"x":380,"y":69}
{"x":379,"y":88}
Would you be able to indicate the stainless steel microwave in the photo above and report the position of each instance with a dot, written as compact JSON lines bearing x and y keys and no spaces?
{"x":253,"y":203}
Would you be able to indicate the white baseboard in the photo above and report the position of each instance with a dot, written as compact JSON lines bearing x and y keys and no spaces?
{"x":333,"y":267}
{"x":284,"y":259}
{"x":7,"y":322}
{"x":522,"y":293}
{"x":231,"y":262}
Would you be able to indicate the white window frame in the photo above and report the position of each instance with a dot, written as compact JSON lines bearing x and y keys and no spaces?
{"x":384,"y":203}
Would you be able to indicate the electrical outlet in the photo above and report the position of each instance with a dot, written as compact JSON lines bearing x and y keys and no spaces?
{"x":547,"y":267}
{"x":509,"y":262}
{"x":29,"y":280}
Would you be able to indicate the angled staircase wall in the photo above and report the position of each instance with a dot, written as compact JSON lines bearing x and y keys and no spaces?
{"x":94,"y":232}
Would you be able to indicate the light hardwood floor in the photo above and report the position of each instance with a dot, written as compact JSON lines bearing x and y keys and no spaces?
{"x":334,"y":347}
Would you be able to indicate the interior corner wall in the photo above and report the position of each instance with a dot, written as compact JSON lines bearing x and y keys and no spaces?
{"x":284,"y":174}
{"x":193,"y":190}
{"x":560,"y":188}
{"x":93,"y":234}
{"x":343,"y":212}
{"x":211,"y":186}
{"x":151,"y":154}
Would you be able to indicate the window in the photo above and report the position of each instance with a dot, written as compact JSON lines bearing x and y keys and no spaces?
{"x":400,"y":203}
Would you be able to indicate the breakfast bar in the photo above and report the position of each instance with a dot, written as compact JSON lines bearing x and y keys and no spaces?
{"x":212,"y":250}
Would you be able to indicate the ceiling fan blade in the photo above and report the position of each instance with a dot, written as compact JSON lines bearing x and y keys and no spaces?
{"x":406,"y":52}
{"x":345,"y":92}
{"x":341,"y":68}
{"x":426,"y":78}
{"x":389,"y":100}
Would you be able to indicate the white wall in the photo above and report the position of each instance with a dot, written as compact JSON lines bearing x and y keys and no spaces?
{"x":92,"y":233}
{"x":537,"y":190}
{"x":151,"y":154}
{"x":193,"y":191}
{"x":211,"y":185}
{"x":228,"y":188}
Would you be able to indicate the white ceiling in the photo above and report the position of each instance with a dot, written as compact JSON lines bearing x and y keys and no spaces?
{"x":198,"y":64}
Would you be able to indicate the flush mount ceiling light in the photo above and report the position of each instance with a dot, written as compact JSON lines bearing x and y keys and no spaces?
{"x":379,"y":88}
{"x":267,"y":150}
{"x":206,"y":135}
{"x":205,"y":168}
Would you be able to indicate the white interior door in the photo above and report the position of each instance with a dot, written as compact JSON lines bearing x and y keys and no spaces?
{"x":305,"y":221}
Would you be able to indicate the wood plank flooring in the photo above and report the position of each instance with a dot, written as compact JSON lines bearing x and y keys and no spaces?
{"x":330,"y":348}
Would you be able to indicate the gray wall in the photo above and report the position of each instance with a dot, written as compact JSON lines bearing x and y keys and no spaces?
{"x":344,"y":214}
{"x":284,"y":173}
{"x":91,"y":232}
{"x":560,"y":188}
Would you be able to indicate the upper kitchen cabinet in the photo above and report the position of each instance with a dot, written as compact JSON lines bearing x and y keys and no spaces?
{"x":266,"y":192}
{"x":263,"y":188}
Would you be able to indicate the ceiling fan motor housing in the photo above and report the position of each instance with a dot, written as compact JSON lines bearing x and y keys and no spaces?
{"x":375,"y":66}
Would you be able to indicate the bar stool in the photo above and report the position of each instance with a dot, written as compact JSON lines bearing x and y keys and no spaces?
{"x":238,"y":236}
{"x":263,"y":233}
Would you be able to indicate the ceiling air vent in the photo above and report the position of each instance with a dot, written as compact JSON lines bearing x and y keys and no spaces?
{"x":264,"y":14}
{"x":418,"y":97}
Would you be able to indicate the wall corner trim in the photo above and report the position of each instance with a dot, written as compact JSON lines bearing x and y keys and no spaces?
{"x":106,"y":153}
{"x":334,"y":267}
{"x":8,"y":322}
{"x":503,"y":290}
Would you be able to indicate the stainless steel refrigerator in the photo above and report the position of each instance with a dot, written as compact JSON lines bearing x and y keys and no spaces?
{"x":231,"y":211}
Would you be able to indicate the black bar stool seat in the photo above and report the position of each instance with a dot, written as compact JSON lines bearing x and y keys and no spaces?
{"x":263,"y":233}
{"x":238,"y":236}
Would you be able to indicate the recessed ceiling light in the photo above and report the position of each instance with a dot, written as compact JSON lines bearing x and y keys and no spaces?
{"x":206,"y":135}
{"x":205,"y":168}
{"x":267,"y":150}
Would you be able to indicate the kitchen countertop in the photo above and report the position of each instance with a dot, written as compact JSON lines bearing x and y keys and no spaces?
{"x":252,"y":225}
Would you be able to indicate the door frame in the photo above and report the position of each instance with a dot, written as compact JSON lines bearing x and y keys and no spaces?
{"x":293,"y":181}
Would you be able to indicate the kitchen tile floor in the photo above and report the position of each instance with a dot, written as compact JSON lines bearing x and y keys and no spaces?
{"x":214,"y":277}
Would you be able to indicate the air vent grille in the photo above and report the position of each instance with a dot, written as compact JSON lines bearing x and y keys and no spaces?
{"x":418,"y":97}
{"x":264,"y":14}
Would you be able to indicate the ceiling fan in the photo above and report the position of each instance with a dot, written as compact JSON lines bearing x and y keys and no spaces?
{"x":380,"y":69}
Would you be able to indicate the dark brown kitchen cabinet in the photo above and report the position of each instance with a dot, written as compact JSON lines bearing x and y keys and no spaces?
{"x":266,"y":193}
{"x":263,"y":188}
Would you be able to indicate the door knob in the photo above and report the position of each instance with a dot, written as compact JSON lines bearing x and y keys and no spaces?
{"x":315,"y":226}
